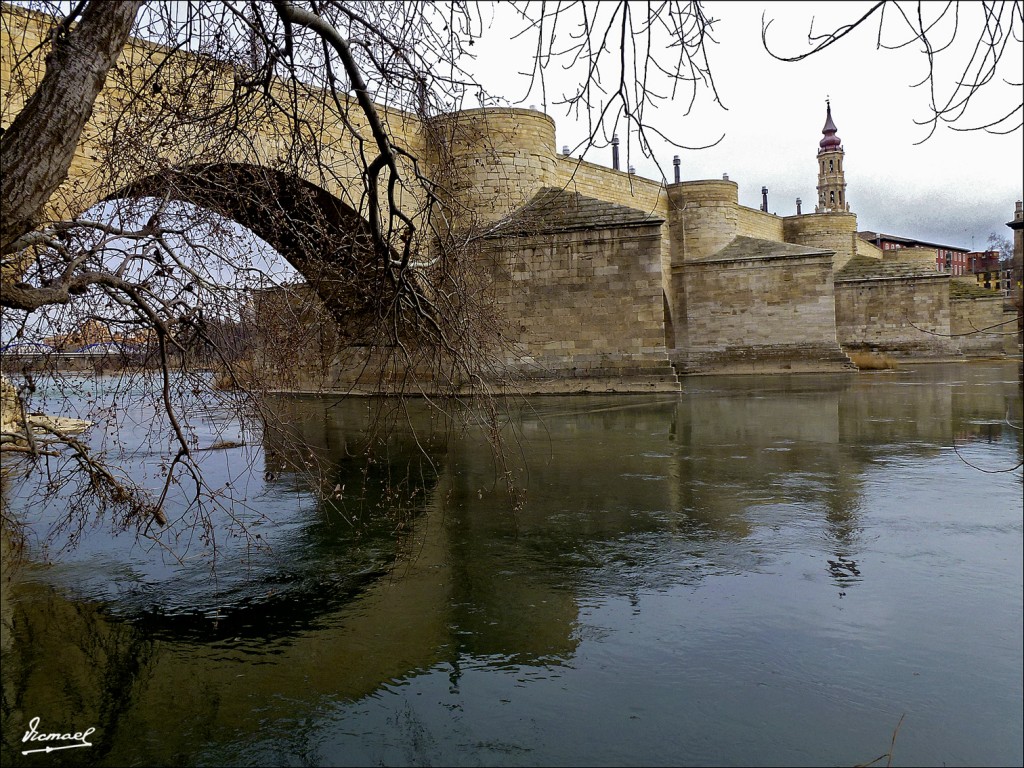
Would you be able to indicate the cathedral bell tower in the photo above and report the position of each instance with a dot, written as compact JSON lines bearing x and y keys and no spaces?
{"x":831,"y":181}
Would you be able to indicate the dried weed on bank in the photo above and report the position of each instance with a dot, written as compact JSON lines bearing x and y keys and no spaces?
{"x":872,"y":361}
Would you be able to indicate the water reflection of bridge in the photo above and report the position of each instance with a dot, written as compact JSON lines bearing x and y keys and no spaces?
{"x":616,"y":487}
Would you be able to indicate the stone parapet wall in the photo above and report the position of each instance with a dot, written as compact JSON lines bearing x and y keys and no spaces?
{"x":831,"y":231}
{"x":754,"y":223}
{"x":924,"y":257}
{"x":866,"y":249}
{"x":752,"y":315}
{"x":263,"y":142}
{"x":904,"y":317}
{"x":608,"y":184}
{"x":976,"y":326}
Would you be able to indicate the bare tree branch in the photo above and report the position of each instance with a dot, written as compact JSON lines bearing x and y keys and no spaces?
{"x":38,"y":146}
{"x":974,"y":39}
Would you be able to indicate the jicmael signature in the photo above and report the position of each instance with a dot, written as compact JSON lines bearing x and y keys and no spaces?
{"x":33,"y":734}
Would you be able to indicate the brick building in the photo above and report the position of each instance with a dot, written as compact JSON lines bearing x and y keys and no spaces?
{"x":948,"y":258}
{"x":990,"y":271}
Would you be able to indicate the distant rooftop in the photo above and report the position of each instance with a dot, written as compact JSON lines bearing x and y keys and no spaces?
{"x":906,"y":242}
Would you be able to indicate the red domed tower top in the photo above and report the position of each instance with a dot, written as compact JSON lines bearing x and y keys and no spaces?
{"x":829,"y":141}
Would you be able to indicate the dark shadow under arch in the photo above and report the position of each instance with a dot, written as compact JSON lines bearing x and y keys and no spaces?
{"x":327,"y":241}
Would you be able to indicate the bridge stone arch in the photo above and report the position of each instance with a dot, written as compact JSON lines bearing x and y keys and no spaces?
{"x":322,"y":237}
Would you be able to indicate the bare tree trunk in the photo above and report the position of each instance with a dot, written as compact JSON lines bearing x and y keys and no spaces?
{"x":38,"y":147}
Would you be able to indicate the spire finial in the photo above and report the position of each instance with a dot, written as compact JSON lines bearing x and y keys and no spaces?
{"x":830,"y":140}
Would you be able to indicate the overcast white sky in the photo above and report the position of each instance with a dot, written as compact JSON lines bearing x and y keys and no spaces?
{"x":955,"y":188}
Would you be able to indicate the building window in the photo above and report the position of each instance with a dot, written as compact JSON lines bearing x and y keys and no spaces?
{"x":830,"y":166}
{"x":832,"y":198}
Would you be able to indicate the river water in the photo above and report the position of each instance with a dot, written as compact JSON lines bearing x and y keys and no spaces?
{"x":760,"y":571}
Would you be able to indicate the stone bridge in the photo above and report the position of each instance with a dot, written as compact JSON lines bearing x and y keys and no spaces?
{"x":609,"y":281}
